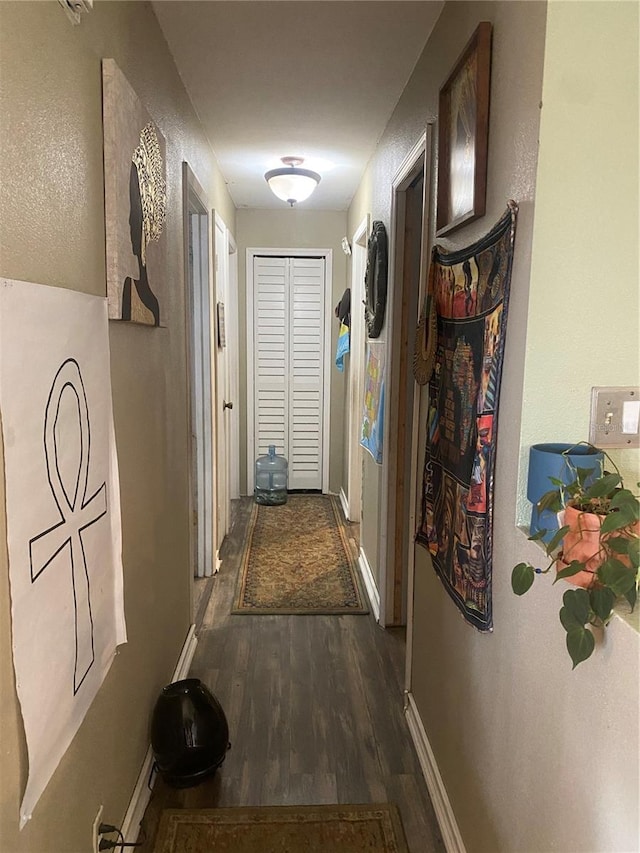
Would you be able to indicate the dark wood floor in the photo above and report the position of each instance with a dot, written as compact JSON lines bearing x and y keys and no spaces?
{"x":314,"y":705}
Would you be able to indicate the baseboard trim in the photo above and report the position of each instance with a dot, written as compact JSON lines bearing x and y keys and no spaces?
{"x":370,"y":584}
{"x":437,"y":791}
{"x":142,"y":791}
{"x":345,"y":504}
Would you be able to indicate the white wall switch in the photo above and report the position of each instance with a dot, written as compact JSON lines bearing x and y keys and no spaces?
{"x":615,"y":416}
{"x":630,"y":417}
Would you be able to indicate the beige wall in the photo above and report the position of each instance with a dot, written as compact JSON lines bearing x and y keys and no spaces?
{"x":294,"y":229}
{"x":585,"y":241}
{"x":52,"y":232}
{"x":536,"y":757}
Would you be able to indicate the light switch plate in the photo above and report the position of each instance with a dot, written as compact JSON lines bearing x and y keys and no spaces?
{"x":614,"y":416}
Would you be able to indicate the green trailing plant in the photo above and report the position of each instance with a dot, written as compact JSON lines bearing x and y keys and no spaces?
{"x":617,"y":550}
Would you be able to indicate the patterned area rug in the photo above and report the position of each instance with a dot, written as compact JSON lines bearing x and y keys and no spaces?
{"x":283,"y":829}
{"x":298,"y":560}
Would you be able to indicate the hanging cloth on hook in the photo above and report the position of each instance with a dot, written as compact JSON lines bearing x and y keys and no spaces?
{"x":343,"y":308}
{"x":343,"y":346}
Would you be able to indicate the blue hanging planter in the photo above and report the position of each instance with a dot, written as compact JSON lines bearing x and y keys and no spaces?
{"x":559,"y":461}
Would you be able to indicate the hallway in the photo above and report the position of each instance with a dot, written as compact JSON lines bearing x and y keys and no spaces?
{"x":314,"y":705}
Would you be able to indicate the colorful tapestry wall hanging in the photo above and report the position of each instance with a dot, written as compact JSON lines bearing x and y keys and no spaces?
{"x":471,"y":292}
{"x":373,"y":408}
{"x":135,"y":203}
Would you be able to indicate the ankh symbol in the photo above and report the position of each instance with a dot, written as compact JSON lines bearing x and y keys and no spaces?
{"x":77,"y":512}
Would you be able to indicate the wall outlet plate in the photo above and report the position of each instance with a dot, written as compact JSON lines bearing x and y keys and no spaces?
{"x":615,"y":416}
{"x":96,"y":834}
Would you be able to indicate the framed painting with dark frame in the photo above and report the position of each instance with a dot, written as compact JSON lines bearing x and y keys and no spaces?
{"x":463,"y":134}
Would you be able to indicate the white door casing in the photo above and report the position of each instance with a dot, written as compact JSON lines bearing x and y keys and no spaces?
{"x":221,"y":267}
{"x":199,"y":238}
{"x":288,"y":361}
{"x":425,"y":144}
{"x":356,"y":364}
{"x":405,"y":174}
{"x":233,"y":361}
{"x":199,"y":292}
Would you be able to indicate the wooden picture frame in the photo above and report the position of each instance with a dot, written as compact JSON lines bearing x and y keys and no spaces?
{"x":463,"y":135}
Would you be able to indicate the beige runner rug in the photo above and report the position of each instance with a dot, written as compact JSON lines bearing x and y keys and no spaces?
{"x":283,"y":829}
{"x":298,"y":559}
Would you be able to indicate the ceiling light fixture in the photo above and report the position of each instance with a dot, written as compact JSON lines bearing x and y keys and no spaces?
{"x":291,"y":183}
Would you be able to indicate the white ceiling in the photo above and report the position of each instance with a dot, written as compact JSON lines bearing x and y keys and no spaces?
{"x":314,"y":78}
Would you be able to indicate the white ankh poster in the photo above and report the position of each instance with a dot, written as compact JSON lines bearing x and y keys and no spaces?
{"x":63,"y":512}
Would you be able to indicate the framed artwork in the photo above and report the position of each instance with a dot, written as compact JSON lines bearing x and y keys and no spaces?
{"x":222,"y":338}
{"x":463,"y":116}
{"x":135,"y":203}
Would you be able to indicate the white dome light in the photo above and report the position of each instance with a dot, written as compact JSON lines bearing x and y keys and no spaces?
{"x":291,"y":183}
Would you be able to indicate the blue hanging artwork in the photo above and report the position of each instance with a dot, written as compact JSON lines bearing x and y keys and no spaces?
{"x":373,"y":415}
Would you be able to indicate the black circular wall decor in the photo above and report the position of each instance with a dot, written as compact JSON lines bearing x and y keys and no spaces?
{"x":375,"y":280}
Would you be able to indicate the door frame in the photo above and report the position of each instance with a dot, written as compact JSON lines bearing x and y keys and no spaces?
{"x":194,"y":195}
{"x":390,"y":589}
{"x":327,"y":254}
{"x":221,"y":289}
{"x":357,"y":346}
{"x":233,"y":357}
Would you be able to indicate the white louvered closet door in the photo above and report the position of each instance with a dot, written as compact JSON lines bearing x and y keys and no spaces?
{"x":306,"y":354}
{"x":289,"y":363}
{"x":271,"y":354}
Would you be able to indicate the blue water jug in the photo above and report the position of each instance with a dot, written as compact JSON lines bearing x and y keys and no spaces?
{"x":271,"y":479}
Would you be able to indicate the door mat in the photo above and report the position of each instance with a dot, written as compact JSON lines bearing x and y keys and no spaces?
{"x":374,"y":828}
{"x":298,"y":560}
